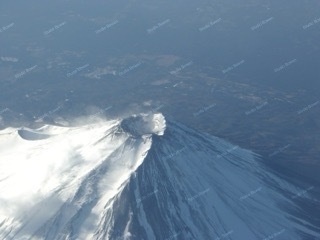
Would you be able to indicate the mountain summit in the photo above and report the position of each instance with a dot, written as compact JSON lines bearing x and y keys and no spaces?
{"x":141,"y":177}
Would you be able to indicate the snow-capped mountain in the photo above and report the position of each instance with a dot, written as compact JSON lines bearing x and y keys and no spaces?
{"x":141,"y":178}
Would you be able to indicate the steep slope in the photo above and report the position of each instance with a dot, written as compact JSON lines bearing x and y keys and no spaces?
{"x":55,"y":181}
{"x":195,"y":186}
{"x":140,"y":178}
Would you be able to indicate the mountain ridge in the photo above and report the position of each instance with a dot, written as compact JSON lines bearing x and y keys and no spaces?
{"x":142,"y":177}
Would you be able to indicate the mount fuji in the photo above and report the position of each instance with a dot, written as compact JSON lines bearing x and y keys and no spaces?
{"x":143,"y":177}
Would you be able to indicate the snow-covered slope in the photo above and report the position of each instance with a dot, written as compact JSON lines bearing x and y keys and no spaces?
{"x":140,"y":178}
